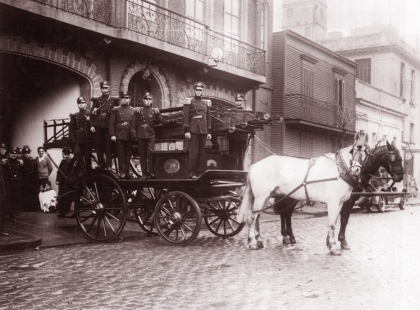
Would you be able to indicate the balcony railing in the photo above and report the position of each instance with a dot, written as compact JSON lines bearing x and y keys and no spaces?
{"x":325,"y":113}
{"x":165,"y":25}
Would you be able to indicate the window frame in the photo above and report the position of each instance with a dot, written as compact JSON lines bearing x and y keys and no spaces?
{"x":364,"y":70}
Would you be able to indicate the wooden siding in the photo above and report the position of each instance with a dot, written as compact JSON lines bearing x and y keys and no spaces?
{"x":321,"y":145}
{"x":278,"y":91}
{"x":292,"y":143}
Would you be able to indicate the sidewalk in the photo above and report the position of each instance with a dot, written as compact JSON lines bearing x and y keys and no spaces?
{"x":34,"y":230}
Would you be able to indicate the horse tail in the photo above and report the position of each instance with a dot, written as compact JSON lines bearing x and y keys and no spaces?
{"x":245,"y":210}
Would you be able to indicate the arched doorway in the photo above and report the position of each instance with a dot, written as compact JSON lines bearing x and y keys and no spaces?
{"x":140,"y":78}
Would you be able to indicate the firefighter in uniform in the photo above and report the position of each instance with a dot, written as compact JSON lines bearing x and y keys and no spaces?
{"x":197,"y":126}
{"x":80,"y":123}
{"x":13,"y":174}
{"x":3,"y":152}
{"x":143,"y":125}
{"x":120,"y":132}
{"x":101,"y":112}
{"x":30,"y":181}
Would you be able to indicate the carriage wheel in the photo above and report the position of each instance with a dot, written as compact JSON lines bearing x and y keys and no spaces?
{"x":221,"y":220}
{"x":381,"y":205}
{"x":144,"y":208}
{"x":177,"y":218}
{"x":101,"y":210}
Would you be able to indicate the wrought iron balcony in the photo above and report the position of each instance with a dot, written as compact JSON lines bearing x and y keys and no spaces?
{"x":165,"y":25}
{"x":298,"y":106}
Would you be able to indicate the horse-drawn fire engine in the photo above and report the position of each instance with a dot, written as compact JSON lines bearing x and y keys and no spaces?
{"x":171,"y":205}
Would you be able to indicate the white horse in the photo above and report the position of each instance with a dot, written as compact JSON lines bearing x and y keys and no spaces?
{"x":276,"y":176}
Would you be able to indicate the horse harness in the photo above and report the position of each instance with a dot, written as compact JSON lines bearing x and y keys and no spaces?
{"x":343,"y":172}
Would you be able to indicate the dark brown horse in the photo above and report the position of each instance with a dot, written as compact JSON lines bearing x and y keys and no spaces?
{"x":386,"y":156}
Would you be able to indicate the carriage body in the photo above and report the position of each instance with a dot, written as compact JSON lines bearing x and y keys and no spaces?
{"x":171,"y":205}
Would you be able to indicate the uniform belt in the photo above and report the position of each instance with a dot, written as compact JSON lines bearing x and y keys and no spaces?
{"x":144,"y":125}
{"x":125,"y":123}
{"x":197,"y":116}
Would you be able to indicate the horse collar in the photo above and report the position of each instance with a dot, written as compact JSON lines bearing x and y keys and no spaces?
{"x":344,"y":171}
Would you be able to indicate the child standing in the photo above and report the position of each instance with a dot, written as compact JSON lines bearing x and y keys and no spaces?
{"x":47,"y":197}
{"x":64,"y":203}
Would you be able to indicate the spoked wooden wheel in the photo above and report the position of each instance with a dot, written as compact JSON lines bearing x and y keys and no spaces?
{"x":144,"y":207}
{"x":221,"y":217}
{"x":177,"y":218}
{"x":101,"y":209}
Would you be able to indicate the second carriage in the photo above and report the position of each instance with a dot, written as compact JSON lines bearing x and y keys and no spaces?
{"x":172,"y":205}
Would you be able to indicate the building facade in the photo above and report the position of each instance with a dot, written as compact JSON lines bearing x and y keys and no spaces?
{"x":54,"y":51}
{"x":314,"y":90}
{"x":387,"y":89}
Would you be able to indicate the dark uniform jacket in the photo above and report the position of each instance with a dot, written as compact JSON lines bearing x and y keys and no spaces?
{"x":103,"y":106}
{"x":3,"y":158}
{"x":63,"y":168}
{"x":196,"y":116}
{"x":120,"y":122}
{"x":30,"y":170}
{"x":144,"y":122}
{"x":13,"y":173}
{"x":79,"y":128}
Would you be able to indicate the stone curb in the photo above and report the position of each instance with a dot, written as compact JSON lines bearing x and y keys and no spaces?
{"x":17,"y":241}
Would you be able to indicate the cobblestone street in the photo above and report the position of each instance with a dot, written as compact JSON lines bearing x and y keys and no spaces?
{"x":381,"y":271}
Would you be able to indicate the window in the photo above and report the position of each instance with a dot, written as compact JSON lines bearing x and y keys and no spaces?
{"x":412,"y":85}
{"x":307,"y":89}
{"x":402,"y":79}
{"x":195,"y":9}
{"x":232,"y":18}
{"x":411,"y":133}
{"x":307,"y":82}
{"x":339,"y":92}
{"x":289,"y":13}
{"x":195,"y":31}
{"x":363,"y":70}
{"x":231,"y":25}
{"x":262,"y":29}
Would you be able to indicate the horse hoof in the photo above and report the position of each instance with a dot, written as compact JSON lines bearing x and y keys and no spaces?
{"x":253,"y":247}
{"x":286,"y":240}
{"x":345,"y":245}
{"x":292,"y":240}
{"x":335,"y":252}
{"x":260,"y":244}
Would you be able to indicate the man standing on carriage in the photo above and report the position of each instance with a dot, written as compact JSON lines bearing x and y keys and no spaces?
{"x":101,"y":112}
{"x":80,"y":136}
{"x":143,"y":125}
{"x":196,"y":121}
{"x":121,"y":133}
